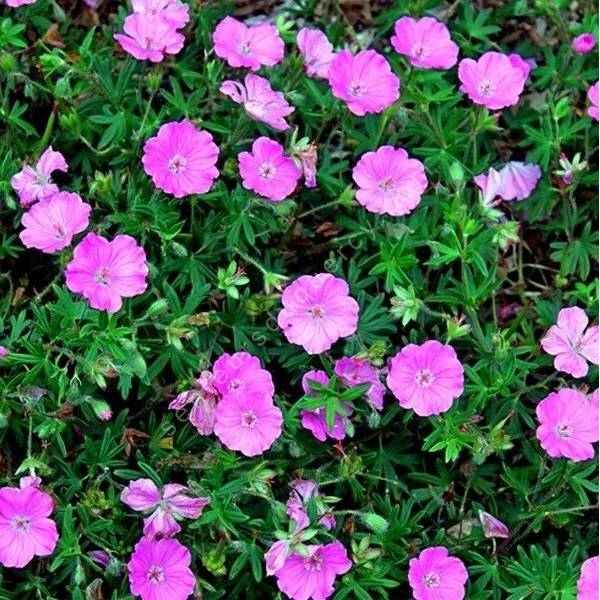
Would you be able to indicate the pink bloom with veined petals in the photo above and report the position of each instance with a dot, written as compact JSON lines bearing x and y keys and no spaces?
{"x":34,"y":183}
{"x":316,"y":50}
{"x":149,"y":38}
{"x":587,"y":584}
{"x":514,"y":181}
{"x":434,"y":575}
{"x":317,"y":311}
{"x":51,"y":223}
{"x":492,"y":527}
{"x":106,"y":272}
{"x":248,"y":421}
{"x":181,"y":159}
{"x":568,"y":425}
{"x":356,"y":371}
{"x":175,"y":13}
{"x":427,"y":378}
{"x":166,"y":505}
{"x":302,"y":492}
{"x":25,"y":527}
{"x":241,"y":373}
{"x":247,"y":46}
{"x":365,"y":81}
{"x":426,"y":42}
{"x":493,"y":81}
{"x":161,"y":569}
{"x":267,"y":171}
{"x":261,"y":102}
{"x":313,"y":577}
{"x":592,"y":95}
{"x":389,"y":182}
{"x":583,"y":43}
{"x":571,"y":342}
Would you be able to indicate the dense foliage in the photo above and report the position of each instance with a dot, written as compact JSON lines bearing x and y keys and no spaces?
{"x":489,"y":281}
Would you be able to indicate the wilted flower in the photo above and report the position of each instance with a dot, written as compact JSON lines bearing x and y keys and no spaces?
{"x":492,"y":527}
{"x":514,"y":181}
{"x":305,"y":157}
{"x":316,"y":50}
{"x":276,"y":555}
{"x":583,"y":43}
{"x":592,"y":96}
{"x":30,"y":481}
{"x":202,"y":412}
{"x":434,"y":575}
{"x":357,"y":371}
{"x":302,"y":492}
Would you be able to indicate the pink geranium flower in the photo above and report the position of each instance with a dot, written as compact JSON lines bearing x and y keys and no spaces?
{"x":492,"y":527}
{"x":34,"y":183}
{"x":316,"y":50}
{"x":166,"y":506}
{"x":365,"y":81}
{"x":389,"y":182}
{"x":51,"y":223}
{"x":592,"y":95}
{"x":587,"y":584}
{"x":312,"y":576}
{"x":583,"y":43}
{"x":426,"y":42}
{"x":571,"y":342}
{"x":17,"y":3}
{"x":276,"y":555}
{"x":248,"y":422}
{"x":317,"y":311}
{"x":427,"y":378}
{"x":305,"y":157}
{"x":568,"y":425}
{"x":149,"y":38}
{"x":434,"y":575}
{"x":358,"y":371}
{"x":241,"y":373}
{"x":514,"y":181}
{"x":105,"y":272}
{"x":525,"y":66}
{"x":202,"y":411}
{"x":316,"y":420}
{"x":161,"y":569}
{"x":181,"y":159}
{"x":303,"y":490}
{"x":267,"y":171}
{"x":174,"y":12}
{"x":493,"y":80}
{"x":261,"y":102}
{"x":247,"y":46}
{"x":25,"y":529}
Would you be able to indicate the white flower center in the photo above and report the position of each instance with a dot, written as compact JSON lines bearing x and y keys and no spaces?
{"x":267,"y":170}
{"x":386,"y":184}
{"x":20,"y":523}
{"x":155,"y":574}
{"x":234,"y":384}
{"x":59,"y":231}
{"x":316,"y":312}
{"x":486,"y":88}
{"x":563,"y":431}
{"x":177,"y":164}
{"x":431,"y":580}
{"x":245,"y":48}
{"x":249,"y":419}
{"x":314,"y":562}
{"x":101,"y":276}
{"x":356,"y":89}
{"x":418,"y":51}
{"x":424,"y":378}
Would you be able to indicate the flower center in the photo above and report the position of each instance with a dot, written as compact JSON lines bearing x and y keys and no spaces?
{"x":59,"y":231}
{"x":20,"y":523}
{"x":418,"y":51}
{"x":424,"y":377}
{"x":101,"y":276}
{"x":356,"y":89}
{"x":386,"y":184}
{"x":486,"y":88}
{"x":234,"y":384}
{"x":431,"y":580}
{"x":177,"y":164}
{"x":249,"y":419}
{"x":155,"y":574}
{"x":245,"y":48}
{"x":563,"y":431}
{"x":267,"y":170}
{"x":314,"y":562}
{"x":316,"y":312}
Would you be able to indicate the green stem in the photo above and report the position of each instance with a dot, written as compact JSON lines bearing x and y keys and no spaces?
{"x":47,"y":131}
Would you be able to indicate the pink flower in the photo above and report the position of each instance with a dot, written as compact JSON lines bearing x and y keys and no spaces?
{"x":305,"y":158}
{"x":261,"y":102}
{"x":267,"y":171}
{"x":17,"y":3}
{"x":515,"y":181}
{"x":25,"y":529}
{"x":174,"y":12}
{"x":316,"y":50}
{"x":568,"y":425}
{"x":248,"y":422}
{"x":303,"y":490}
{"x":427,"y":378}
{"x":587,"y":584}
{"x":583,"y":43}
{"x":276,"y":555}
{"x":105,"y":272}
{"x":241,"y":373}
{"x":51,"y":223}
{"x":3,"y":351}
{"x":202,"y":412}
{"x":492,"y":527}
{"x":357,"y":371}
{"x":317,"y":311}
{"x":181,"y":159}
{"x":149,"y":38}
{"x":426,"y":42}
{"x":525,"y":66}
{"x":434,"y":575}
{"x":592,"y":96}
{"x":161,"y":569}
{"x":364,"y":81}
{"x":313,"y":576}
{"x":34,"y":183}
{"x":166,"y":505}
{"x":571,"y":342}
{"x":30,"y":481}
{"x":492,"y":81}
{"x":389,"y":182}
{"x":247,"y":46}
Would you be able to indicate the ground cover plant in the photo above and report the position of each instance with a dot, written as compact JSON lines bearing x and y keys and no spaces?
{"x":298,"y":300}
